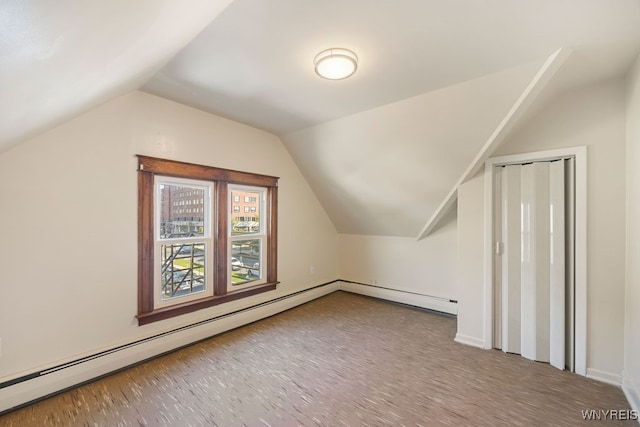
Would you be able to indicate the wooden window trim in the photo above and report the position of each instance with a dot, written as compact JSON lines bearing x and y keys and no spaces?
{"x":148,"y":168}
{"x":206,"y":173}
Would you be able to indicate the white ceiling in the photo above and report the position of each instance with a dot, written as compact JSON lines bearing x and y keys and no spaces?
{"x":58,"y":59}
{"x":380,"y":149}
{"x":254,"y":63}
{"x":385,"y":170}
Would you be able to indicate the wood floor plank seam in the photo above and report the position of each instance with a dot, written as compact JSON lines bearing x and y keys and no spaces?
{"x":340,"y":360}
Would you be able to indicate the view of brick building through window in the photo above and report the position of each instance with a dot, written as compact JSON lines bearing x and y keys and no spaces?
{"x":245,"y":210}
{"x":182,"y":210}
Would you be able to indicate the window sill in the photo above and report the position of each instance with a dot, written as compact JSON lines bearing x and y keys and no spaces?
{"x":191,"y":306}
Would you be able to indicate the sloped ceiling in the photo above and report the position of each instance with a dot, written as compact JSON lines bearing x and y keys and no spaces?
{"x":58,"y":59}
{"x":383,"y":171}
{"x":381,"y":149}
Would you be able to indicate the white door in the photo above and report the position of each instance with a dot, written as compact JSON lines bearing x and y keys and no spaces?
{"x":531,"y":258}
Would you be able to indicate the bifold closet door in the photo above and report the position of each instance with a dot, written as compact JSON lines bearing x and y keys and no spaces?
{"x":557,"y":267}
{"x":511,"y":260}
{"x":532,"y":274}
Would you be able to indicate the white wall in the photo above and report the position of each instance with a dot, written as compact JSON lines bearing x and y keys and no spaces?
{"x":68,"y":225}
{"x":632,"y":296}
{"x":593,"y":116}
{"x":384,"y":171}
{"x":470,"y":264}
{"x":425,"y":267}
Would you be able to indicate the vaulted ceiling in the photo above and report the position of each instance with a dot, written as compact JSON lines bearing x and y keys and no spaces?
{"x":380,"y":149}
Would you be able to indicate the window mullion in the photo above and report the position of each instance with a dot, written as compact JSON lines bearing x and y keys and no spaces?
{"x":221,"y":238}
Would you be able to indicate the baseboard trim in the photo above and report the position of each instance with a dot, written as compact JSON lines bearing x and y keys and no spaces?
{"x":632,"y":394}
{"x":410,"y":298}
{"x":32,"y":387}
{"x":605,"y":377}
{"x":467,"y":340}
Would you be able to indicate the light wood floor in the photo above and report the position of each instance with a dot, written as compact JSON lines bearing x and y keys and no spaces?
{"x":342,"y":360}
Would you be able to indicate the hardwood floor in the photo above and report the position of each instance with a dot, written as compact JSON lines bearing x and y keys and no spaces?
{"x":341,"y":360}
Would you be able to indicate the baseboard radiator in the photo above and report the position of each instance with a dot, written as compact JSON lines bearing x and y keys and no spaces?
{"x":31,"y":387}
{"x":38,"y":385}
{"x":429,"y":302}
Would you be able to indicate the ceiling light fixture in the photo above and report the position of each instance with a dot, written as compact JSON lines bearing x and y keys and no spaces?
{"x":335,"y":63}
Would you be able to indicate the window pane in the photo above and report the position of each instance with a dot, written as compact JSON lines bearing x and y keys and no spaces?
{"x":182,"y":269}
{"x":181,"y":211}
{"x":245,"y":261}
{"x":245,"y":212}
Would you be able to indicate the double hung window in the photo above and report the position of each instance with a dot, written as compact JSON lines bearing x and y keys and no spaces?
{"x":183,"y":242}
{"x":210,"y":252}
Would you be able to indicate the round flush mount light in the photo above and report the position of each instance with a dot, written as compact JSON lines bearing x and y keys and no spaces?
{"x":335,"y":63}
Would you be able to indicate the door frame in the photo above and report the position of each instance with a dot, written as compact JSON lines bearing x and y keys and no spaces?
{"x":580,"y":156}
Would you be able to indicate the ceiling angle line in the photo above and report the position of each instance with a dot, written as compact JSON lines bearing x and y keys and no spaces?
{"x":541,"y":79}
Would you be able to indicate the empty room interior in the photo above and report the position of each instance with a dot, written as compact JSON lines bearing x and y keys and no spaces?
{"x":274,"y":213}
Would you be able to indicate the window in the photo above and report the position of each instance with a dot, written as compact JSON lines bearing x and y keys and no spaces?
{"x":247,"y":242}
{"x":183,"y":264}
{"x":209,"y":257}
